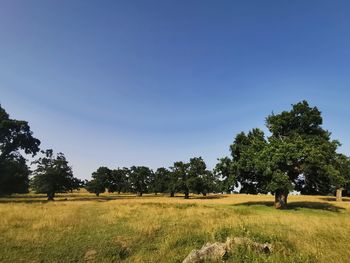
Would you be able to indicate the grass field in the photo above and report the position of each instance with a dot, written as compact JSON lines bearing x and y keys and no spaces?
{"x":80,"y":227}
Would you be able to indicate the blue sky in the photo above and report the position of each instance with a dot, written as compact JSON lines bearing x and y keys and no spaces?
{"x":119,"y":83}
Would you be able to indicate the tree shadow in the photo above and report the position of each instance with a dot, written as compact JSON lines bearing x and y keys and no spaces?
{"x":208,"y":197}
{"x":68,"y":198}
{"x":333,"y":199}
{"x":40,"y":198}
{"x":297,"y":205}
{"x":195,"y":197}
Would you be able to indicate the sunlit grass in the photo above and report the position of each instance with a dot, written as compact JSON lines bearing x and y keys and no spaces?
{"x":125,"y":228}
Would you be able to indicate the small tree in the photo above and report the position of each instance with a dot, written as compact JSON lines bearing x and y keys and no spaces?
{"x":53,"y":175}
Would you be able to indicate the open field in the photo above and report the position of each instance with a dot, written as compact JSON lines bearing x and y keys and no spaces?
{"x":80,"y":227}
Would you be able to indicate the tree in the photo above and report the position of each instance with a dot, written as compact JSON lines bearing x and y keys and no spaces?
{"x":173,"y":183}
{"x":226,"y":172}
{"x":341,"y":175}
{"x":53,"y":175}
{"x":180,"y":171}
{"x":139,"y":177}
{"x":15,"y":138}
{"x":117,"y":180}
{"x":101,"y":179}
{"x":200,"y":180}
{"x":299,"y":148}
{"x":160,"y":180}
{"x":95,"y":186}
{"x":103,"y":174}
{"x":244,"y":166}
{"x":298,"y":154}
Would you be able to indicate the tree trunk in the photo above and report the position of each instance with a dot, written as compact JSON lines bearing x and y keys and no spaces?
{"x":139,"y":194}
{"x":97,"y":194}
{"x":50,"y":196}
{"x":172,"y":194}
{"x":204,"y":194}
{"x":339,"y":195}
{"x":281,"y":199}
{"x":187,"y":194}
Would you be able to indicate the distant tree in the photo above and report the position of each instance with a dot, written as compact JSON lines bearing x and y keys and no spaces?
{"x":103,"y":174}
{"x":180,"y":171}
{"x":160,"y":180}
{"x":95,"y":186}
{"x":118,"y":180}
{"x":101,"y":179}
{"x":16,"y":138}
{"x":53,"y":175}
{"x":226,"y":172}
{"x":139,"y":177}
{"x":210,"y":183}
{"x":200,"y":180}
{"x":173,"y":184}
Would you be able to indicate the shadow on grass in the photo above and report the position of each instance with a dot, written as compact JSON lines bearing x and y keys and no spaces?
{"x":42,"y":199}
{"x":195,"y":197}
{"x":209,"y":197}
{"x":298,"y":205}
{"x":74,"y":197}
{"x":333,"y":199}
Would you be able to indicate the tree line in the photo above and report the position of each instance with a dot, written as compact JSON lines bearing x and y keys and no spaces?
{"x":182,"y":177}
{"x":296,"y":154}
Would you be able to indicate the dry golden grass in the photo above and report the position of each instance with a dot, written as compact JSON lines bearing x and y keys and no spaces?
{"x":125,"y":228}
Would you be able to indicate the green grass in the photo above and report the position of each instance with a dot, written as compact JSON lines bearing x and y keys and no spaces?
{"x":124,"y":228}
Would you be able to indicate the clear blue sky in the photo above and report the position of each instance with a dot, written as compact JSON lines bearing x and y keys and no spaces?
{"x":119,"y":83}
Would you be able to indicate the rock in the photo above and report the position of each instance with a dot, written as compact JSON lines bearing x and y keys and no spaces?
{"x":216,"y":251}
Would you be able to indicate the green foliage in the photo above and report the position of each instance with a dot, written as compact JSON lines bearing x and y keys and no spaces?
{"x":160,"y":180}
{"x":14,"y":174}
{"x":226,"y":172}
{"x":118,"y":180}
{"x":200,"y":180}
{"x":192,"y":177}
{"x":298,"y":154}
{"x":139,"y":177}
{"x":15,"y":137}
{"x":180,"y":171}
{"x":95,"y":186}
{"x":53,"y":175}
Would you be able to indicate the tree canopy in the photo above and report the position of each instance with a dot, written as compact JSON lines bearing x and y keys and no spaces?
{"x":15,"y":138}
{"x":53,"y":175}
{"x":297,"y":155}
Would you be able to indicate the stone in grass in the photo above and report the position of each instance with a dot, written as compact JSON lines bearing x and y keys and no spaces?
{"x":90,"y":255}
{"x":216,"y":251}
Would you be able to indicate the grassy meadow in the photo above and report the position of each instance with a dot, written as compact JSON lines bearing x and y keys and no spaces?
{"x":80,"y":227}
